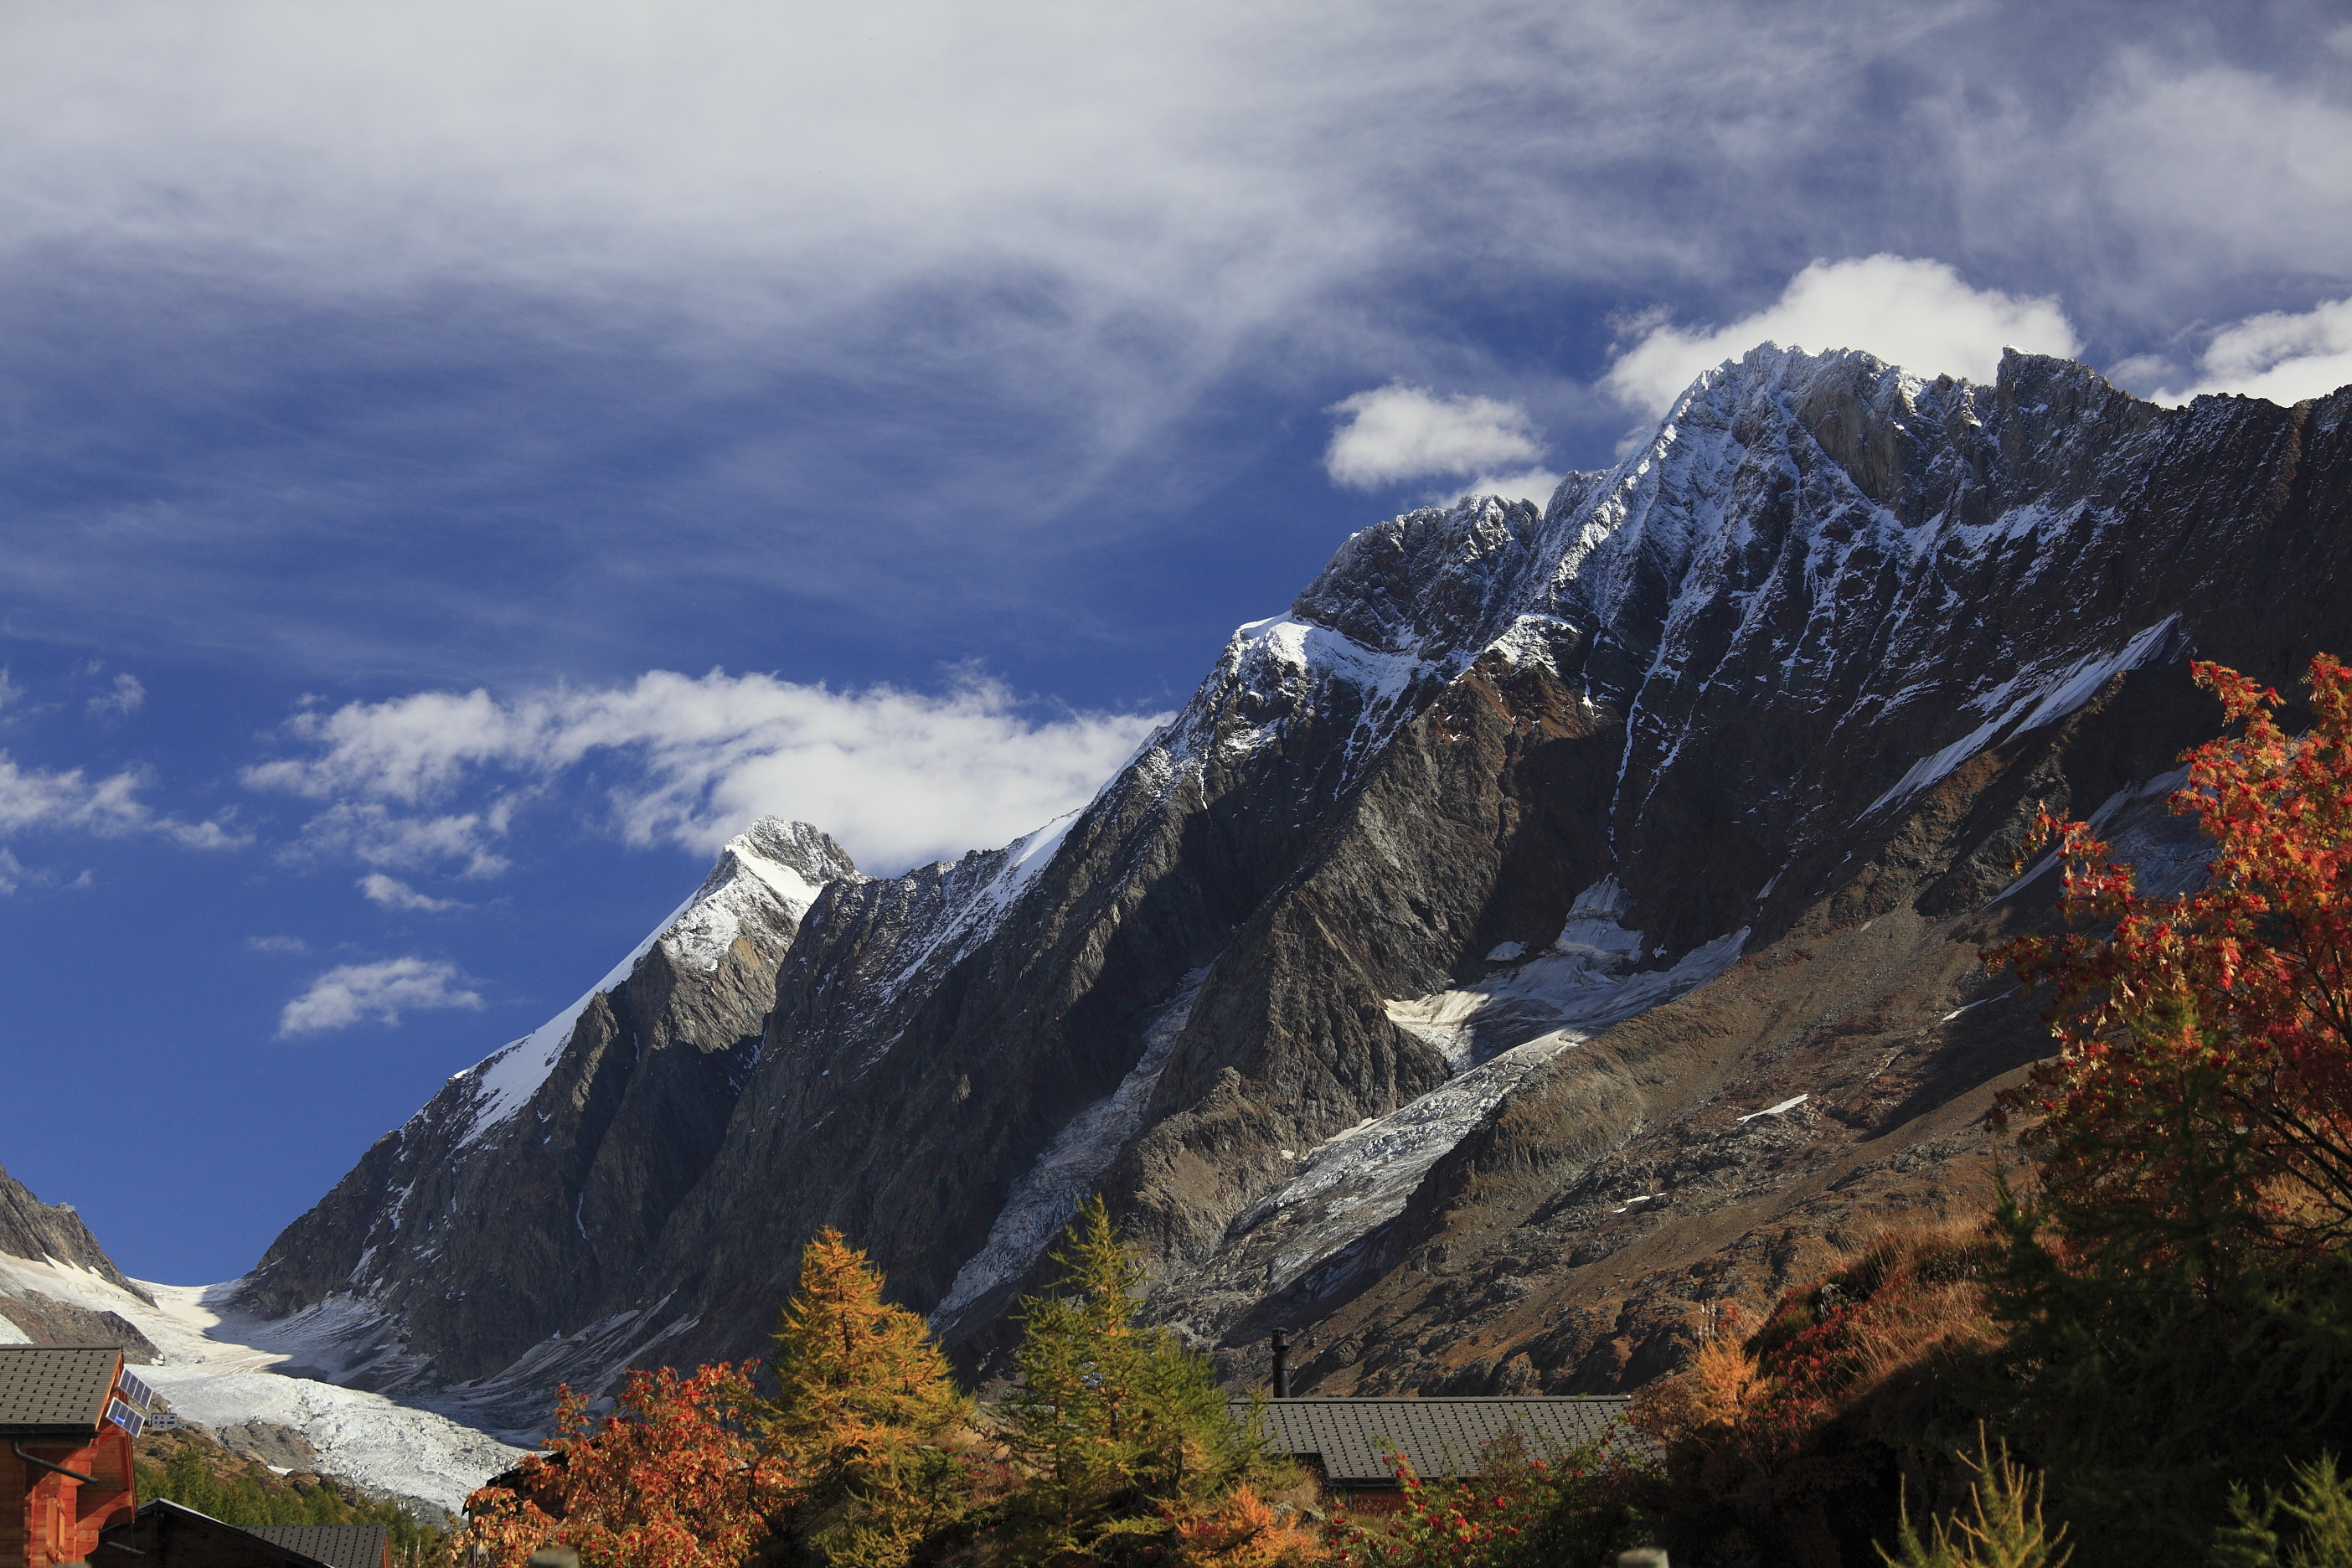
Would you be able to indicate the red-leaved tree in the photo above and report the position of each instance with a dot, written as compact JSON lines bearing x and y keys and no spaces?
{"x":670,"y":1479}
{"x":2204,"y":1087}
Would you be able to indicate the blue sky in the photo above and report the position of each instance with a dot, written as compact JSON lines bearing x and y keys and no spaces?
{"x":462,"y":460}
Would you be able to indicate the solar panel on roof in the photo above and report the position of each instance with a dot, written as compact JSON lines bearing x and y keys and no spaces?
{"x":122,"y":1416}
{"x":132,"y":1389}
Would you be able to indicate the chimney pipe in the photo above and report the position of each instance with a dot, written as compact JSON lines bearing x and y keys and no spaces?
{"x":1282,"y":1364}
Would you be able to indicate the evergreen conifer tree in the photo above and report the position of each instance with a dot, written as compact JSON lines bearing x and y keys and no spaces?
{"x":866,"y":1419}
{"x":1123,"y":1433}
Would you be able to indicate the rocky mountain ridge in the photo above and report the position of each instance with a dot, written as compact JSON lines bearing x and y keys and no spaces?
{"x":54,"y":1235}
{"x":1561,"y":920}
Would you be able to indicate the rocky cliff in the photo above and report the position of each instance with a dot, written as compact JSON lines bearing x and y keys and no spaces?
{"x":38,"y":1241}
{"x":1561,"y":920}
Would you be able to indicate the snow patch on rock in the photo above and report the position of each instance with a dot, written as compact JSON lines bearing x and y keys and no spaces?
{"x":1041,"y":1201}
{"x":774,"y":869}
{"x":1497,"y":1035}
{"x":2026,"y":702}
{"x":1579,"y":981}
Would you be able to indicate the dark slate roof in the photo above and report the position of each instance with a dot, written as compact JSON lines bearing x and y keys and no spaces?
{"x":54,"y":1390}
{"x":160,"y":1518}
{"x":336,"y":1546}
{"x":1353,"y":1437}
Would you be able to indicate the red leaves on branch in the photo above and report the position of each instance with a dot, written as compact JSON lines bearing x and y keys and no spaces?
{"x":669,"y":1480}
{"x":2204,"y":1078}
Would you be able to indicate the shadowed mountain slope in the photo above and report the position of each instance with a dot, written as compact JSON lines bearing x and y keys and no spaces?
{"x":1560,"y":920}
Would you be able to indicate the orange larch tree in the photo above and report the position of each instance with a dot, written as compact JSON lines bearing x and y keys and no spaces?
{"x":866,"y":1417}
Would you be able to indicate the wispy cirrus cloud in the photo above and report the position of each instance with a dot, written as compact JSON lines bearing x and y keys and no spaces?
{"x":125,"y":697}
{"x":751,"y":286}
{"x":897,"y":776}
{"x":395,"y":894}
{"x":376,"y":993}
{"x":378,"y":834}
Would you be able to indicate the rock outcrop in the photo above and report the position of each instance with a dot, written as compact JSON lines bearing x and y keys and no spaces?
{"x":1562,"y":919}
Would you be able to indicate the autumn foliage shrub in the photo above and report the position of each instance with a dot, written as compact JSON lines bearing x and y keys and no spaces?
{"x":2201,"y":1102}
{"x":1797,"y":1440}
{"x":1518,"y":1510}
{"x":670,"y":1479}
{"x":2158,"y":1317}
{"x":2175,"y":1282}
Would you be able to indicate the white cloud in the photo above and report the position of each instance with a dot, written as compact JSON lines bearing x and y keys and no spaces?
{"x":374,"y":835}
{"x":2284,"y":358}
{"x":9,"y":689}
{"x":1398,"y":431}
{"x":1921,"y":315}
{"x":897,"y":776}
{"x":395,"y":894}
{"x":277,"y":944}
{"x":34,"y":797}
{"x":123,"y":701}
{"x":110,"y":807}
{"x":1533,"y":485}
{"x":359,"y":992}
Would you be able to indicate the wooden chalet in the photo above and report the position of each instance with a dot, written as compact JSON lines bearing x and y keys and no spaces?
{"x":164,"y":1534}
{"x":67,"y":1414}
{"x":1349,"y":1441}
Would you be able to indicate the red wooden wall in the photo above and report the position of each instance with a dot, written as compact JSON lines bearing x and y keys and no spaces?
{"x":46,"y":1518}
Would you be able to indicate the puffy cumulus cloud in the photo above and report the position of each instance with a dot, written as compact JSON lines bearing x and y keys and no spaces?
{"x":1921,"y":315}
{"x":2282,"y":357}
{"x":1397,"y":433}
{"x":110,"y":807}
{"x":395,"y":894}
{"x":897,"y":776}
{"x":363,"y":992}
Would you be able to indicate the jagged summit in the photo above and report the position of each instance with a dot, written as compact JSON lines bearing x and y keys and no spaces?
{"x":1553,"y":921}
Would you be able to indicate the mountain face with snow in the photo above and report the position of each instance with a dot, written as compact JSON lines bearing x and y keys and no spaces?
{"x":542,"y":1178}
{"x":53,"y":1236}
{"x":59,"y":1287}
{"x":1560,"y":919}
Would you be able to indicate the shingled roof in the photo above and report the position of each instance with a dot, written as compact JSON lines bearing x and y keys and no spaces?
{"x":55,"y":1391}
{"x":164,"y":1531}
{"x":1351,"y":1438}
{"x":336,"y":1546}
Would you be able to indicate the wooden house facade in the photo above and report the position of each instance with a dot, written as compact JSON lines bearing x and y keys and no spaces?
{"x":67,"y":1414}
